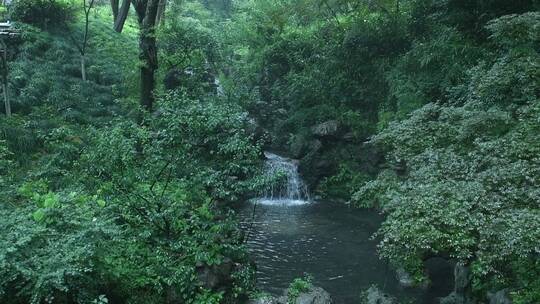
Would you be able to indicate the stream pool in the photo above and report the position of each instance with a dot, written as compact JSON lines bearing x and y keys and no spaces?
{"x":331,"y":242}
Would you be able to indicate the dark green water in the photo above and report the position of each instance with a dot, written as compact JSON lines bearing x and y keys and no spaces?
{"x":332,"y":243}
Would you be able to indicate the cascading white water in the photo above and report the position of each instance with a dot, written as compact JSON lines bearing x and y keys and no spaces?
{"x":289,"y":189}
{"x":220,"y":91}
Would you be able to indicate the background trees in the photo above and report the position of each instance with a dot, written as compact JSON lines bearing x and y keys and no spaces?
{"x":443,"y":94}
{"x":471,"y":171}
{"x":425,"y":109}
{"x":97,"y":207}
{"x":87,"y":7}
{"x":147,"y":17}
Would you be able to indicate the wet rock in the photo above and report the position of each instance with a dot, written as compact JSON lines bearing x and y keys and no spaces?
{"x":462,"y":278}
{"x":326,"y":129}
{"x":299,"y":146}
{"x":454,"y":298}
{"x":316,"y":295}
{"x":315,"y":146}
{"x":216,"y":276}
{"x":264,"y":300}
{"x":281,"y":112}
{"x":324,"y":165}
{"x":462,"y":282}
{"x":499,"y":297}
{"x":252,"y":126}
{"x":375,"y":296}
{"x":350,"y":137}
{"x":315,"y":166}
{"x":404,"y":278}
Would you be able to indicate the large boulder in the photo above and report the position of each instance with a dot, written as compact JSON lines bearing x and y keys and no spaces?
{"x":329,"y":128}
{"x":375,"y":296}
{"x":462,"y":279}
{"x":462,"y":282}
{"x":315,"y":166}
{"x":404,"y":278}
{"x":454,"y":298}
{"x":499,"y":297}
{"x":315,"y":295}
{"x":369,"y":157}
{"x":299,"y":146}
{"x":264,"y":300}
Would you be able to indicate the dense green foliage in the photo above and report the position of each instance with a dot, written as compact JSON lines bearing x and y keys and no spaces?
{"x":361,"y":64}
{"x":102,"y":202}
{"x":43,"y":13}
{"x":445,"y":93}
{"x":470,"y":190}
{"x":298,"y":286}
{"x":425,"y":109}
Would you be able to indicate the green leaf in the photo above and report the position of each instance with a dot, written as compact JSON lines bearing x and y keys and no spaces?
{"x":38,"y":215}
{"x":51,"y":200}
{"x":101,"y":203}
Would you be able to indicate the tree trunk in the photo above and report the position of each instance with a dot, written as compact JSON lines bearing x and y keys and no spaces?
{"x":227,"y":7}
{"x":148,"y":52}
{"x":147,"y":87}
{"x":148,"y":57}
{"x":6,"y":100}
{"x":122,"y":16}
{"x":4,"y":71}
{"x":83,"y":67}
{"x":114,"y":7}
{"x":161,"y":12}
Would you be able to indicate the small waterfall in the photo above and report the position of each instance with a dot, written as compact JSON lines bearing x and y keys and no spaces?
{"x":287,"y":188}
{"x":219,"y":87}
